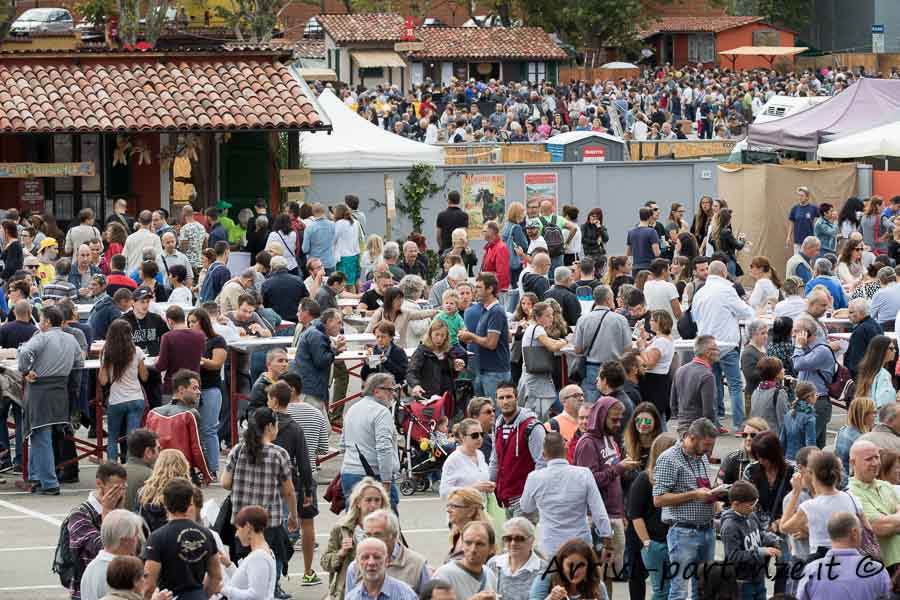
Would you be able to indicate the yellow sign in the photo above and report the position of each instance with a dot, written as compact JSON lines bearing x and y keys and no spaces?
{"x":294,"y":178}
{"x":296,"y":197}
{"x":28,"y":170}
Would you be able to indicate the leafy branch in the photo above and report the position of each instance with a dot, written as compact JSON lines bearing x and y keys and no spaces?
{"x":417,"y":188}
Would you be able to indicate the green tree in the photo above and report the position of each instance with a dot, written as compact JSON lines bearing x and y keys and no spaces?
{"x":590,"y":23}
{"x":253,"y":21}
{"x":794,"y":14}
{"x":131,"y":12}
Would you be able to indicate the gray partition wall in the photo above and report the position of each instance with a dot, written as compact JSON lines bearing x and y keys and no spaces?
{"x":619,"y":188}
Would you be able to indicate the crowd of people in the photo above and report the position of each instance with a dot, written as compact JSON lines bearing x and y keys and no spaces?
{"x":582,"y":396}
{"x":662,"y":103}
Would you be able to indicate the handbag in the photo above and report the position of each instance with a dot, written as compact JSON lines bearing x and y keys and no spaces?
{"x":578,"y":368}
{"x":868,"y":542}
{"x":537,"y":359}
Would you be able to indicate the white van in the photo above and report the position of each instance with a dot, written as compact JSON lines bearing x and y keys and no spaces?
{"x":783,"y":106}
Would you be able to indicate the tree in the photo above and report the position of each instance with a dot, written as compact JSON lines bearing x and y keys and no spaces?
{"x":789,"y":13}
{"x":591,"y":23}
{"x":131,"y":13}
{"x":253,"y":21}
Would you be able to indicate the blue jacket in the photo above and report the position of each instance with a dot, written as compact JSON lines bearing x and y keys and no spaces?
{"x":318,"y":241}
{"x":846,"y":436}
{"x":313,"y":361}
{"x":834,"y":288}
{"x":102,"y":314}
{"x":798,"y":430}
{"x":815,"y":364}
{"x":75,"y":277}
{"x":514,"y":237}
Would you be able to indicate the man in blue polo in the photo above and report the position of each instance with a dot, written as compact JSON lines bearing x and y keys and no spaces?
{"x":490,"y":338}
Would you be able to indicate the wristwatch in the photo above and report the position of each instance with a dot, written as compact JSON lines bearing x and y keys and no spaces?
{"x":647,"y":544}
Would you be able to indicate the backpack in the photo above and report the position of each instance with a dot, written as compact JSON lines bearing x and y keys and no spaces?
{"x":687,"y":327}
{"x":553,"y":236}
{"x":838,"y":380}
{"x":65,"y":561}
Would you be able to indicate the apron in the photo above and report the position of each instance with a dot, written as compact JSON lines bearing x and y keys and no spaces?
{"x":46,"y":403}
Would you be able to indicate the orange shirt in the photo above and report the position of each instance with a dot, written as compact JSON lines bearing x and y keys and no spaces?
{"x":567,"y":425}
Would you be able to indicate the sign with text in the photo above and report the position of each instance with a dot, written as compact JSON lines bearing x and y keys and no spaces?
{"x":290,"y":178}
{"x":31,"y":194}
{"x":27,"y":170}
{"x":593,"y":154}
{"x":540,"y":187}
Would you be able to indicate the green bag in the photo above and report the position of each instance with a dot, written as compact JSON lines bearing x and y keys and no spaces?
{"x":497,"y":515}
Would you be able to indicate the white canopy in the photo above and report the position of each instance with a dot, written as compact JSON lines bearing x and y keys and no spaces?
{"x":355,"y":142}
{"x":619,"y":65}
{"x":878,"y":141}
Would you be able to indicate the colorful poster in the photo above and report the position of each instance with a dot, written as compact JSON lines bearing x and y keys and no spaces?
{"x":484,"y":199}
{"x":542,"y":186}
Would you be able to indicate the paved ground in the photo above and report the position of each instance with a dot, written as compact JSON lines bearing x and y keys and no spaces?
{"x":29,"y":528}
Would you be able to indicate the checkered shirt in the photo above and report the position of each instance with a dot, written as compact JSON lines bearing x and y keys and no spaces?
{"x":259,"y":484}
{"x":676,"y":472}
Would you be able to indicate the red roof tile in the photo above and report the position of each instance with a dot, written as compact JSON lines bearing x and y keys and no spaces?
{"x":696,"y":24}
{"x":371,"y":27}
{"x":173,"y":95}
{"x":483,"y":43}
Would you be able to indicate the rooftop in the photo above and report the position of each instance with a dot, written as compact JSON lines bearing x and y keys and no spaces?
{"x":696,"y":24}
{"x":371,"y":27}
{"x":477,"y":43}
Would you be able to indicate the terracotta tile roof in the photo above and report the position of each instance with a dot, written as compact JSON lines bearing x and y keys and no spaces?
{"x":54,"y":94}
{"x":696,"y":24}
{"x":309,"y":48}
{"x":477,"y":43}
{"x":371,"y":27}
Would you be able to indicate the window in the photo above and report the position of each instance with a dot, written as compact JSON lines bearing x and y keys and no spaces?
{"x":537,"y":71}
{"x":765,"y":37}
{"x":701,"y":48}
{"x":371,"y":73}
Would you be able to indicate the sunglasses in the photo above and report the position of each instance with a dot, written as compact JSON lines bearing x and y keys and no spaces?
{"x":644,"y":421}
{"x":487,"y":410}
{"x":514,"y":538}
{"x":745,"y":434}
{"x":475,"y":435}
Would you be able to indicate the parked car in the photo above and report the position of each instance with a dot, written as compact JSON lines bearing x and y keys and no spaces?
{"x":43,"y":20}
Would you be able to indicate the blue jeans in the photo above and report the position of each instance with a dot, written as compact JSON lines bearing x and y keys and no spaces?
{"x":131,"y":411}
{"x":348,"y":480}
{"x":210,"y":405}
{"x":688,"y":548}
{"x":753,"y":590}
{"x":730,"y":364}
{"x":5,"y":406}
{"x":487,"y":381}
{"x":589,"y":385}
{"x":556,"y":261}
{"x":656,"y":559}
{"x":41,"y":464}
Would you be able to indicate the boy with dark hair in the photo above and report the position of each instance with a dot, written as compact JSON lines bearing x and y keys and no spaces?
{"x":747,"y":544}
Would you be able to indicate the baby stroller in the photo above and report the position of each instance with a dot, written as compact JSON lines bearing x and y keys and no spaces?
{"x":421,"y":453}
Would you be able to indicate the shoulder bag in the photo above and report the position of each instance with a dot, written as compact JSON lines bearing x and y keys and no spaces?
{"x":868,"y":543}
{"x":537,"y":359}
{"x":578,"y":368}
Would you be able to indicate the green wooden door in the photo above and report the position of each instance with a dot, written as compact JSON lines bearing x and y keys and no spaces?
{"x":244,"y":170}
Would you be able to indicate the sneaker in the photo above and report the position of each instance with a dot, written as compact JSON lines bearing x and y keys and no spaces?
{"x":6,"y":466}
{"x":280,"y":594}
{"x":723,"y":430}
{"x":311,"y":579}
{"x":49,"y":491}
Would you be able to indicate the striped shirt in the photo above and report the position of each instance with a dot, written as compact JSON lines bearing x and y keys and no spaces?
{"x":676,"y":473}
{"x":315,"y":429}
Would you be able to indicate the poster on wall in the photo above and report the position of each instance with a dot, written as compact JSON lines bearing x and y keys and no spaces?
{"x":540,"y":187}
{"x":484,"y":199}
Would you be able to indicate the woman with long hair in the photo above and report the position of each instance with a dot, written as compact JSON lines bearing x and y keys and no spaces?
{"x":702,"y":217}
{"x":725,"y":241}
{"x":536,"y":388}
{"x":618,"y":271}
{"x":432,"y":370}
{"x":170,"y":464}
{"x":873,"y":380}
{"x":115,"y":237}
{"x":686,"y":245}
{"x":122,"y":368}
{"x":849,"y":217}
{"x":594,"y":237}
{"x":255,"y":577}
{"x":516,"y":241}
{"x":860,"y":420}
{"x":771,"y":475}
{"x":464,"y":505}
{"x":12,"y":255}
{"x":874,"y":226}
{"x":736,"y":461}
{"x":890,"y":467}
{"x":346,"y":244}
{"x":373,"y":255}
{"x":284,"y":237}
{"x":850,"y":268}
{"x":708,"y":245}
{"x":401,"y":314}
{"x":466,"y":465}
{"x":367,"y":496}
{"x":676,"y":223}
{"x":517,"y":568}
{"x":680,"y":273}
{"x":646,"y":519}
{"x":578,"y":575}
{"x":522,"y":318}
{"x":781,"y":343}
{"x":657,"y":356}
{"x":766,"y":290}
{"x":215,"y":352}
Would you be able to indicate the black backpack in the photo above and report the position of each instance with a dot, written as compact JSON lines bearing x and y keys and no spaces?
{"x":553,"y":236}
{"x":687,"y":327}
{"x":65,"y":561}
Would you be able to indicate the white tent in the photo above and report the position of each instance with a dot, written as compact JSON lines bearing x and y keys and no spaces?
{"x":878,"y":141}
{"x":355,"y":142}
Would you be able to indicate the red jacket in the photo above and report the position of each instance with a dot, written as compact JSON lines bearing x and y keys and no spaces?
{"x":496,"y":260}
{"x":177,"y":427}
{"x":514,"y":460}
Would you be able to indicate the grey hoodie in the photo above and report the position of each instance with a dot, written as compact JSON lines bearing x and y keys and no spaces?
{"x":745,"y":544}
{"x":535,"y":441}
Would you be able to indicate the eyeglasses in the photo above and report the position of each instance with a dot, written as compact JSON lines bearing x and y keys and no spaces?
{"x":386,"y":388}
{"x":644,"y":421}
{"x":747,"y":434}
{"x":575,"y":395}
{"x":487,"y":410}
{"x":514,"y":538}
{"x":456,"y":506}
{"x":475,"y":435}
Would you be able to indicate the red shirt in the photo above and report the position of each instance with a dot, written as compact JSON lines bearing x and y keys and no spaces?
{"x":496,"y":260}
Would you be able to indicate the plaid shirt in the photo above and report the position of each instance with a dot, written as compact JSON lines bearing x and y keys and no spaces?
{"x":259,"y":484}
{"x":675,"y":473}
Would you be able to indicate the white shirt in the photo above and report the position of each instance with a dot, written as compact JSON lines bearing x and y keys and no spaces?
{"x":716,"y":309}
{"x":763,"y":291}
{"x":536,"y":243}
{"x":93,"y":580}
{"x":639,"y":130}
{"x":182,"y":296}
{"x":574,"y":247}
{"x":134,"y":248}
{"x":288,"y":244}
{"x":253,"y":579}
{"x":346,"y":240}
{"x":659,"y":295}
{"x":792,"y":306}
{"x":666,"y":348}
{"x":462,"y":471}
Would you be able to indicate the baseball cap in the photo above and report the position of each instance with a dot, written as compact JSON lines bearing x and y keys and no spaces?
{"x":142,"y":293}
{"x":223,"y":204}
{"x":48,"y":242}
{"x":536,"y":223}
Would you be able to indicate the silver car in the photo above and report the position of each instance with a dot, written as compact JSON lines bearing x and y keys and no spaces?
{"x":43,"y":20}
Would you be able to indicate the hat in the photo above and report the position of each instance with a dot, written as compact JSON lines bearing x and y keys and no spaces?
{"x":141,"y":293}
{"x":223,"y":204}
{"x":536,"y":223}
{"x":31,"y":261}
{"x":48,"y":242}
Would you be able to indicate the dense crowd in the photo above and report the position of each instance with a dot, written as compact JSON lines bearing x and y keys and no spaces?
{"x":568,"y":400}
{"x":663,"y":103}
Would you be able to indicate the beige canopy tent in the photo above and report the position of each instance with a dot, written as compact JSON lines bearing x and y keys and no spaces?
{"x":770,"y":53}
{"x":367,"y":59}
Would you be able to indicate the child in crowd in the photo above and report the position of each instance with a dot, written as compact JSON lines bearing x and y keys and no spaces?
{"x":747,"y":545}
{"x":386,"y":356}
{"x":450,"y":315}
{"x":769,"y":400}
{"x":799,"y":428}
